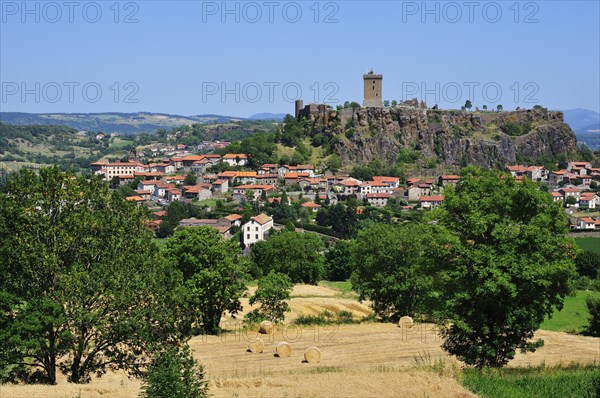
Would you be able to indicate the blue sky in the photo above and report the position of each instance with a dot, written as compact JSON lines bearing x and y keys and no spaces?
{"x":241,"y":58}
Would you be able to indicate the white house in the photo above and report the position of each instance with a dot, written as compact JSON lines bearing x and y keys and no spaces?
{"x":589,"y":200}
{"x":256,"y":229}
{"x":173,"y":195}
{"x":429,"y":202}
{"x":586,"y":223}
{"x":240,"y":192}
{"x":566,"y":192}
{"x":392,"y":182}
{"x":378,"y":199}
{"x":235,"y":159}
{"x":312,"y":206}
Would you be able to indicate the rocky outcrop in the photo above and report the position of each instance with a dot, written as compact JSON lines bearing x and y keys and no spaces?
{"x":452,"y":137}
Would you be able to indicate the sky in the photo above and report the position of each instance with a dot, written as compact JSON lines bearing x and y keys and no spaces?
{"x":242,"y":58}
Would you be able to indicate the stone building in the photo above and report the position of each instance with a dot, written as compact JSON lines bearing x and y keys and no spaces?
{"x":373,"y":89}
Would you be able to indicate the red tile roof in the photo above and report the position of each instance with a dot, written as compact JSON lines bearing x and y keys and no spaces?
{"x":310,"y":205}
{"x":437,"y":198}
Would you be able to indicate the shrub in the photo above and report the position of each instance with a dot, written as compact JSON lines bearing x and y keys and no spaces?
{"x":174,"y":374}
{"x":593,"y":305}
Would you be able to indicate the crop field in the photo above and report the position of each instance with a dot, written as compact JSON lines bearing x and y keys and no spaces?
{"x":375,"y":359}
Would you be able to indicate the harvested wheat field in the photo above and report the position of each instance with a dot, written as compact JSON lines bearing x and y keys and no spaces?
{"x":368,"y":359}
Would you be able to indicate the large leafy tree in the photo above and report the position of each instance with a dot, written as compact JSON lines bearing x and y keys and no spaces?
{"x":212,"y":272}
{"x":338,"y":261}
{"x":79,"y":276}
{"x":510,"y":268}
{"x":395,"y":267}
{"x":296,"y":254}
{"x":273,"y":289}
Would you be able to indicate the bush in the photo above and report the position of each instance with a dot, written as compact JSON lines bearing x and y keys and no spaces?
{"x":588,"y":264}
{"x":326,"y":318}
{"x":513,"y":129}
{"x":174,"y":374}
{"x":593,"y":304}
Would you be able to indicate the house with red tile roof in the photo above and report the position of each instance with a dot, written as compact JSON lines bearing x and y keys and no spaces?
{"x":586,"y":223}
{"x":312,"y":206}
{"x":235,"y":159}
{"x":589,"y":200}
{"x":378,"y":199}
{"x":240,"y":192}
{"x":256,"y":229}
{"x":430,"y":202}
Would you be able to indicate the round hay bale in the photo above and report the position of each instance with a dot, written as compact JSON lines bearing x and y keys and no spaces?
{"x":256,"y":345}
{"x":266,"y":327}
{"x":283,"y":349}
{"x":312,"y":355}
{"x":406,"y":322}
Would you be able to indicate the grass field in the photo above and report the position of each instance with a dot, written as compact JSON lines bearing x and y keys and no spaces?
{"x":574,"y":315}
{"x":538,"y":382}
{"x":206,"y":203}
{"x":589,"y":243}
{"x":344,"y":288}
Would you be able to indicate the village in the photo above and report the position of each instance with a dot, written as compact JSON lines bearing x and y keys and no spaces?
{"x":162,"y":183}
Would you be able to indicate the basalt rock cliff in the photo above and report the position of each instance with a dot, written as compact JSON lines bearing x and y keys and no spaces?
{"x":450,"y":137}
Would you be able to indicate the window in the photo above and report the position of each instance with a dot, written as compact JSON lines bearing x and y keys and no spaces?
{"x":248,"y":236}
{"x":256,"y":236}
{"x":256,"y":229}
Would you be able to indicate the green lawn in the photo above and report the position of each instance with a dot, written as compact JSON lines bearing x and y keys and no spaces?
{"x":567,"y":382}
{"x":589,"y":243}
{"x":344,"y":287}
{"x":573,"y":317}
{"x":212,"y":203}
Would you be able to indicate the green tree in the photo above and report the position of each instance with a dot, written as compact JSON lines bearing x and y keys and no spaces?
{"x":334,"y":163}
{"x":468,"y":104}
{"x":271,"y":294}
{"x":338,"y":266}
{"x":588,"y":264}
{"x":593,"y":305}
{"x":190,"y":179}
{"x":394,"y":102}
{"x":79,"y":278}
{"x":394,"y":267}
{"x":571,"y":200}
{"x":296,"y":254}
{"x":174,"y":373}
{"x":386,"y":103}
{"x":485,"y":107}
{"x":499,"y":108}
{"x":513,"y":129}
{"x":511,"y":266}
{"x":212,"y":271}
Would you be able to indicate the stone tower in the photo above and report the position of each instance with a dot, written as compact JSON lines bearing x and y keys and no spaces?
{"x":373,"y":85}
{"x":299,"y":105}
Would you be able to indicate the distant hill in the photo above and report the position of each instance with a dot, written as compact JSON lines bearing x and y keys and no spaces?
{"x":586,"y":125}
{"x":124,"y":123}
{"x":268,"y":116}
{"x":580,"y":119}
